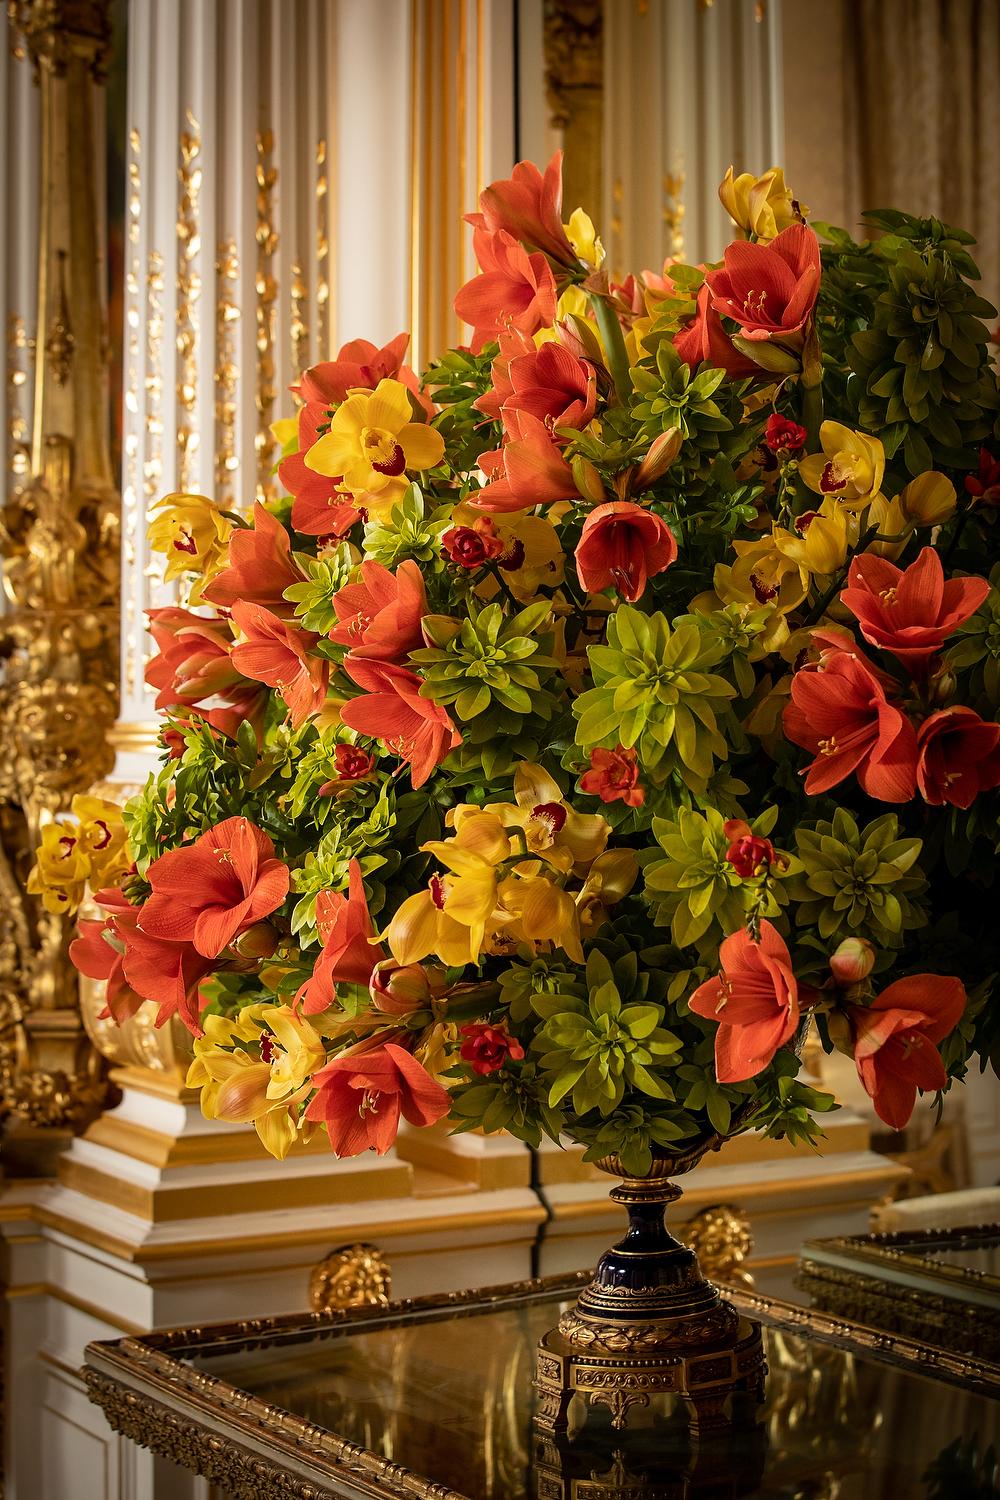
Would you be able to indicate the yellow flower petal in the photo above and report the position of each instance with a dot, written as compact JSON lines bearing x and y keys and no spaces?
{"x":422,"y":446}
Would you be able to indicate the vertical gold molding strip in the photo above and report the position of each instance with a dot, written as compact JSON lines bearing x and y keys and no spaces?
{"x":267,"y":291}
{"x":189,"y":179}
{"x":416,"y":181}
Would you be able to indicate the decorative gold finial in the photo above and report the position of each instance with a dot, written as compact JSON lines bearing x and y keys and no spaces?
{"x":353,"y":1276}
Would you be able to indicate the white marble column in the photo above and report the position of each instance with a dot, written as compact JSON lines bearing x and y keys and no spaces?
{"x":19,"y":113}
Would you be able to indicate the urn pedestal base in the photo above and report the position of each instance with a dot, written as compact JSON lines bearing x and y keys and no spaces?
{"x":648,"y":1325}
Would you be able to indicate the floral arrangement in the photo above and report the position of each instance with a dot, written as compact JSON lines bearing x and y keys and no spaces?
{"x":592,"y":711}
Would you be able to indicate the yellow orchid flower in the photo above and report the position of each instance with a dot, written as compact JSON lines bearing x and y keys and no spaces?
{"x":928,"y":500}
{"x":761,"y":574}
{"x":102,"y":834}
{"x":192,"y":534}
{"x":762,"y":206}
{"x":850,"y":468}
{"x":449,"y":916}
{"x":609,"y":880}
{"x":821,"y":538}
{"x":373,"y":443}
{"x":62,"y":865}
{"x":894,"y":526}
{"x":551,"y":829}
{"x":539,"y":911}
{"x":264,"y":1085}
{"x":584,"y":238}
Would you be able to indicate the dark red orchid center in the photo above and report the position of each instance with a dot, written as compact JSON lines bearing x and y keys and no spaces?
{"x":552,"y":814}
{"x":267,"y":1049}
{"x":763,"y":592}
{"x":105,"y":838}
{"x":832,"y":478}
{"x":437,"y":891}
{"x":185,"y":542}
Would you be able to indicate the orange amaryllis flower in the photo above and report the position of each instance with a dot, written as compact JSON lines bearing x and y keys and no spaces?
{"x":770,"y":290}
{"x":553,"y":385}
{"x":319,"y":505}
{"x":392,"y":711}
{"x":621,"y":547}
{"x":755,"y":1000}
{"x":840,"y":712}
{"x":895,"y":1041}
{"x":528,"y":470}
{"x":207,"y":892}
{"x":704,"y":341}
{"x":528,"y":206}
{"x":372,"y":443}
{"x":513,"y":289}
{"x":98,"y":953}
{"x":350,"y":949}
{"x":361,"y":1096}
{"x":276,"y":652}
{"x":958,"y":756}
{"x":193,"y":659}
{"x":166,"y":972}
{"x":379,"y":615}
{"x":910,"y":611}
{"x":359,"y":366}
{"x":614,"y":777}
{"x":260,"y":567}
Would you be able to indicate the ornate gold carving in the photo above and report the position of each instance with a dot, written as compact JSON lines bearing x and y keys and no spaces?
{"x":720,"y":1237}
{"x":673,"y":212}
{"x":299,"y":329}
{"x":227,"y":373}
{"x":353,"y":1276}
{"x":267,"y":296}
{"x":59,"y":543}
{"x":188,"y":293}
{"x":574,"y":86}
{"x":323,"y":298}
{"x":132,"y":511}
{"x":20,"y":350}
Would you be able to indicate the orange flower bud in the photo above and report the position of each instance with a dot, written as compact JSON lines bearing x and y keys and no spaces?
{"x":662,"y":452}
{"x":587,"y":479}
{"x":853,"y":961}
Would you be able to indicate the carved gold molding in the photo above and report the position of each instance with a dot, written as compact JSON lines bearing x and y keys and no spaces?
{"x":353,"y":1276}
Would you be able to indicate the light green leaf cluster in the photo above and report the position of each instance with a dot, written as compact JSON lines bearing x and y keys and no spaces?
{"x":313,"y":598}
{"x":653,"y":689}
{"x":407,"y":532}
{"x":857,"y":883}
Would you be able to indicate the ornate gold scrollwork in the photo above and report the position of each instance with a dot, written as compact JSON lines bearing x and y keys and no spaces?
{"x":353,"y":1276}
{"x":721,"y":1238}
{"x":59,"y":542}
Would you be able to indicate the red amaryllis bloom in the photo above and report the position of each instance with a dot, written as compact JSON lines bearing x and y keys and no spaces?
{"x":361,"y":1096}
{"x":704,"y":340}
{"x":319,"y":506}
{"x":748,"y":853}
{"x":614,"y":777}
{"x":781,"y":435}
{"x":379,"y":615}
{"x":528,"y":206}
{"x":487,"y":1048}
{"x":910,"y":611}
{"x":276,"y":652}
{"x":553,"y":385}
{"x":260,"y":567}
{"x":839,"y":711}
{"x":193,"y":660}
{"x":206,"y":892}
{"x":514,"y":288}
{"x":983,"y":487}
{"x":755,"y":1000}
{"x":168,"y":973}
{"x":392,"y":711}
{"x":350,"y":951}
{"x":360,"y":365}
{"x":621,"y":547}
{"x":770,"y":290}
{"x":528,"y":470}
{"x":958,"y":756}
{"x":93,"y":955}
{"x":895,"y":1041}
{"x":472,"y":546}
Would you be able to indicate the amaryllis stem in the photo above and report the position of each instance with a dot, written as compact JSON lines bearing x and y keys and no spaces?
{"x":614,"y":346}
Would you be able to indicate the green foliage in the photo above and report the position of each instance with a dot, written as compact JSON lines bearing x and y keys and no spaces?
{"x":976,"y":649}
{"x":653,"y":689}
{"x":513,"y":1099}
{"x":313,"y":599}
{"x":408,"y":532}
{"x":852,"y":883}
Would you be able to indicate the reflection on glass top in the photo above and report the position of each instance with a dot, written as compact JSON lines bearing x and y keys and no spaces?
{"x":450,"y":1397}
{"x":980,"y":1255}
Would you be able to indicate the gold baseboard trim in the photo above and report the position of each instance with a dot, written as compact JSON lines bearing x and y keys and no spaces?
{"x":159,"y":1150}
{"x":438,"y":1153}
{"x":167,"y":1204}
{"x":153,"y":1081}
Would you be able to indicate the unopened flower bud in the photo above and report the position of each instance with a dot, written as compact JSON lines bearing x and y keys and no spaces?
{"x":587,"y":479}
{"x":662,"y":452}
{"x":928,"y":500}
{"x":770,"y":357}
{"x":400,"y":988}
{"x":853,"y":961}
{"x":259,"y":941}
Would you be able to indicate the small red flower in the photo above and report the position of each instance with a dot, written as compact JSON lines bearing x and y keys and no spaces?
{"x":614,"y":777}
{"x":748,"y":853}
{"x":704,"y":340}
{"x":770,"y":290}
{"x":379,"y":615}
{"x":910,"y":611}
{"x":360,"y":1097}
{"x":958,"y":756}
{"x":260,"y":567}
{"x":623,"y":546}
{"x":984,"y":486}
{"x":472,"y":546}
{"x":353,"y":763}
{"x":840,"y":712}
{"x":755,"y":1000}
{"x":487,"y":1048}
{"x":895,"y":1041}
{"x":781,"y":435}
{"x":514,"y":288}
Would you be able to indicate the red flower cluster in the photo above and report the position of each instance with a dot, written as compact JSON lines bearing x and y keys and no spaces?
{"x":488,"y":1048}
{"x":614,"y":777}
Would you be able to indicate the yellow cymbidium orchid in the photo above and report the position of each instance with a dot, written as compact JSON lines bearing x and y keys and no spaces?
{"x":761,"y":574}
{"x":261,"y":1083}
{"x":62,"y":865}
{"x":584,"y":238}
{"x":821,"y":538}
{"x":192,"y":534}
{"x":373,"y":443}
{"x":536,"y":910}
{"x":449,"y":916}
{"x":850,"y":468}
{"x":762,"y":206}
{"x":549,"y":828}
{"x":609,"y":880}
